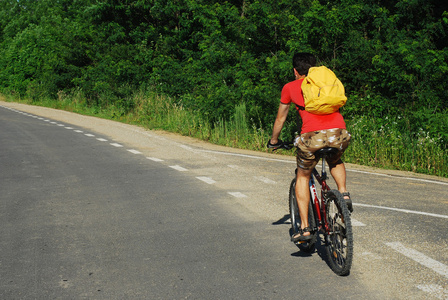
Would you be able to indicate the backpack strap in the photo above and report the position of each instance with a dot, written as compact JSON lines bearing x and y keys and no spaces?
{"x":298,"y":117}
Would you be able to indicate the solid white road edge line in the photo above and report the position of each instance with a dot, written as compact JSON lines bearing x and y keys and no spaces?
{"x":402,"y":210}
{"x":399,"y":177}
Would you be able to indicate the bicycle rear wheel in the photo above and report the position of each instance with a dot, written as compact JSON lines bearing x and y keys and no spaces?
{"x":295,"y":220}
{"x":339,"y":239}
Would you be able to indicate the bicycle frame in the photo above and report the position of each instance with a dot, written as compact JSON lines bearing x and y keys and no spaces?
{"x":328,"y":215}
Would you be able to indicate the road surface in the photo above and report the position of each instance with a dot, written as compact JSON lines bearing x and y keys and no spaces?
{"x":95,"y":209}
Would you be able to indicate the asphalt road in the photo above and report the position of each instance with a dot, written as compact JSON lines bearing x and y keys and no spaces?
{"x":95,"y":209}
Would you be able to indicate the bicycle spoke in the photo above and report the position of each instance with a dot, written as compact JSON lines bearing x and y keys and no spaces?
{"x":340,"y":238}
{"x":339,"y":250}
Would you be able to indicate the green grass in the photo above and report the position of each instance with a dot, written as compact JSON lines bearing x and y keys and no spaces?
{"x":384,"y":146}
{"x":390,"y":146}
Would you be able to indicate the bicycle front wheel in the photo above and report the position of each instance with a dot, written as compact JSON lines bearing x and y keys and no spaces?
{"x":339,"y":237}
{"x":295,"y":220}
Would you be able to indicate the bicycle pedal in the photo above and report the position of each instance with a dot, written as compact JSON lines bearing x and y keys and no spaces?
{"x":301,"y":242}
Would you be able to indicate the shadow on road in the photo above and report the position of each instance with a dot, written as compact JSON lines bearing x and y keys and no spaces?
{"x":283,"y":220}
{"x":319,"y":246}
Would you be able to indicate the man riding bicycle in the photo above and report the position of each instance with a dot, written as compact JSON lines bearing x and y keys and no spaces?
{"x":318,"y":131}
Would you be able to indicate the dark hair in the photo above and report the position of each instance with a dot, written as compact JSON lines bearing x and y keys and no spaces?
{"x":303,"y":61}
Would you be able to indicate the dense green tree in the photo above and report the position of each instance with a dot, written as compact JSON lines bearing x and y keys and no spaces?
{"x":213,"y":56}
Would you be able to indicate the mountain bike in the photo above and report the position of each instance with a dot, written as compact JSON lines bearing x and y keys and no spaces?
{"x":328,"y":214}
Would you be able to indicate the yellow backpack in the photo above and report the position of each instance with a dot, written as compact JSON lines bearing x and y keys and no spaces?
{"x":322,"y":91}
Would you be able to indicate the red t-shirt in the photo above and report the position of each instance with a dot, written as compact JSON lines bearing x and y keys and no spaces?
{"x":292,"y":92}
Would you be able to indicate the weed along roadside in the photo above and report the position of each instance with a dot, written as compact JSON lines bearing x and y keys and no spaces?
{"x":386,"y":148}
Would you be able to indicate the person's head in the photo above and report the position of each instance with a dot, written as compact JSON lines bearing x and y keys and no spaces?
{"x":302,"y":62}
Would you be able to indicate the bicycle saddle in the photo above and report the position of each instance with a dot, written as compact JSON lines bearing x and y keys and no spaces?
{"x":328,"y":151}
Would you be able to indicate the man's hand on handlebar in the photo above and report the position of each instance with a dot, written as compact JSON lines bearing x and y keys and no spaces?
{"x":279,"y":145}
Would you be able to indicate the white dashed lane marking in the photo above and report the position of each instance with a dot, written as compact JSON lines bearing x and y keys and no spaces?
{"x":420,"y":258}
{"x":178,"y":168}
{"x":116,"y":145}
{"x":155,"y":159}
{"x":357,"y":223}
{"x":435,"y":290}
{"x":265,"y":180}
{"x":206,"y":180}
{"x":101,"y":140}
{"x":238,"y":194}
{"x":134,"y":151}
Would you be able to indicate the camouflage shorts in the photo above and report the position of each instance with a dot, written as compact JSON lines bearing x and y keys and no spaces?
{"x":309,"y":142}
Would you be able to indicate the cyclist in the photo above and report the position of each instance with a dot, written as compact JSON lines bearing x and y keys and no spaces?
{"x":318,"y":131}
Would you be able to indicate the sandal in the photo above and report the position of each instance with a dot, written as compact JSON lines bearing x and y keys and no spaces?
{"x":348,"y":201}
{"x":299,"y":237}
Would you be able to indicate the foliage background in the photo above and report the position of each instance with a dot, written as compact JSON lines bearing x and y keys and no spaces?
{"x":223,"y":63}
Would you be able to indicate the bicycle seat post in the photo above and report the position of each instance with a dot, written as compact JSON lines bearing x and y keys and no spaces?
{"x":324,"y":171}
{"x":322,"y":154}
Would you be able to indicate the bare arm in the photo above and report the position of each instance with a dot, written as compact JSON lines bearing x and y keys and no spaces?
{"x":279,"y":122}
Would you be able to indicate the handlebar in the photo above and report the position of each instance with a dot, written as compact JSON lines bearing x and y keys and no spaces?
{"x":280,"y":145}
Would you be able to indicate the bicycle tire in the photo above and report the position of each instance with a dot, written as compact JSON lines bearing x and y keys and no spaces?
{"x":296,"y":221}
{"x":339,"y":239}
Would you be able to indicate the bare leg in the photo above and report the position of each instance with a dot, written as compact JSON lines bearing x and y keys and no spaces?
{"x":303,"y":196}
{"x":338,"y":172}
